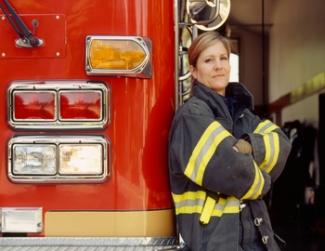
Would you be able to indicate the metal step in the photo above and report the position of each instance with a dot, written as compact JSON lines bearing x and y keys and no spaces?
{"x":86,"y":244}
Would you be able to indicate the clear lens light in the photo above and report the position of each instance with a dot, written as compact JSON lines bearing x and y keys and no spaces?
{"x":34,"y":159}
{"x":21,"y":220}
{"x":80,"y":159}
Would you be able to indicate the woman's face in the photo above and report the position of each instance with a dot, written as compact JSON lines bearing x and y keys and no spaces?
{"x":212,"y":67}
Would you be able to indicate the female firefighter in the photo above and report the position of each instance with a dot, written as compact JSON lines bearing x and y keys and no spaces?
{"x":222,"y":158}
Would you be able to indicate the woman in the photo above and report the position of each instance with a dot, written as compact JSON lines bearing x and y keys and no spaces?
{"x":222,"y":158}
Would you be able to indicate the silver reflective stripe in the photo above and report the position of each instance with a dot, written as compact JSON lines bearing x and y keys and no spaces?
{"x":204,"y":150}
{"x":265,"y":127}
{"x":219,"y":207}
{"x":189,"y":203}
{"x":229,"y":205}
{"x":232,"y":203}
{"x":259,"y":184}
{"x":272,"y":151}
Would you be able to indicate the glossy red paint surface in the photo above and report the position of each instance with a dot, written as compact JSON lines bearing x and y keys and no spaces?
{"x":141,"y":109}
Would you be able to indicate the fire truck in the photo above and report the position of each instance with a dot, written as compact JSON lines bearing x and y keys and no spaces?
{"x":88,"y":90}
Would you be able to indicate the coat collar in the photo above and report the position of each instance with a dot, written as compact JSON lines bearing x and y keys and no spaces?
{"x":234,"y":92}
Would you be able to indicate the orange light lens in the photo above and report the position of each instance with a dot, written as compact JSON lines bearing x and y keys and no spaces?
{"x":116,"y":54}
{"x":80,"y":105}
{"x":34,"y":105}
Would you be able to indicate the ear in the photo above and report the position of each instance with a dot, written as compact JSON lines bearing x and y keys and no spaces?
{"x":193,"y":71}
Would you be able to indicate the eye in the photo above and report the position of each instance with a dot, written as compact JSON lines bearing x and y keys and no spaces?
{"x":224,"y":58}
{"x":207,"y":60}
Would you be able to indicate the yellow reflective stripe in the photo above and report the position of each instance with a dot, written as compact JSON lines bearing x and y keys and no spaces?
{"x":189,"y":202}
{"x":230,"y":205}
{"x":260,"y":126}
{"x":189,"y":196}
{"x":260,"y":188}
{"x":191,"y":164}
{"x":207,"y":210}
{"x":206,"y":158}
{"x":271,"y":144}
{"x":268,"y":151}
{"x":204,"y":150}
{"x":265,"y":126}
{"x":219,"y":207}
{"x":271,"y":128}
{"x":197,"y":202}
{"x":276,"y":152}
{"x":189,"y":209}
{"x":272,"y":151}
{"x":256,"y":188}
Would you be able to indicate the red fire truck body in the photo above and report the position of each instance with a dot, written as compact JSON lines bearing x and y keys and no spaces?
{"x":131,"y":198}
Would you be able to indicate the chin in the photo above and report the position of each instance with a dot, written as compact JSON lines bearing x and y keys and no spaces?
{"x":219,"y":87}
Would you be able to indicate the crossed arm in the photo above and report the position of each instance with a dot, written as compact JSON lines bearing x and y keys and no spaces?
{"x":213,"y":158}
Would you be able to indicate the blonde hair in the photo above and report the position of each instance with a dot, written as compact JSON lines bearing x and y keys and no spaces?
{"x":204,"y":41}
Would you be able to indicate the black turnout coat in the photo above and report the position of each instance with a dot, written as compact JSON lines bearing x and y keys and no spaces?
{"x":217,"y":191}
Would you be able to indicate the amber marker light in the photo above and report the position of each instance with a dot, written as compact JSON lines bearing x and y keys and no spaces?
{"x":118,"y":55}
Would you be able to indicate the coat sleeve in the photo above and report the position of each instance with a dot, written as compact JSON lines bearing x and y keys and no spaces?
{"x":271,"y":148}
{"x":202,"y":149}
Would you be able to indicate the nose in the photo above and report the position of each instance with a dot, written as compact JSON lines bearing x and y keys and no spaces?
{"x":217,"y":64}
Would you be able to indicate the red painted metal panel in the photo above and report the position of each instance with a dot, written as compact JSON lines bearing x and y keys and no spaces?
{"x":141,"y":108}
{"x":51,"y":28}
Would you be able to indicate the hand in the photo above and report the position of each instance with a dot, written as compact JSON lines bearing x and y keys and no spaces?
{"x":309,"y":196}
{"x":242,"y":146}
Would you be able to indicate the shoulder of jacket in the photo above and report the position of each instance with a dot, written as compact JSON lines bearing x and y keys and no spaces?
{"x":196,"y":106}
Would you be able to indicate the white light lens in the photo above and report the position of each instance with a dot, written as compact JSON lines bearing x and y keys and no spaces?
{"x":80,"y":159}
{"x":34,"y":159}
{"x":21,"y":220}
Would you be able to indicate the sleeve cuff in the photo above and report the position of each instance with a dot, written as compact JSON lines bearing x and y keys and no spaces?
{"x":258,"y":147}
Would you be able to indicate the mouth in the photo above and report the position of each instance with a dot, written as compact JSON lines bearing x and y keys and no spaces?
{"x":218,"y":76}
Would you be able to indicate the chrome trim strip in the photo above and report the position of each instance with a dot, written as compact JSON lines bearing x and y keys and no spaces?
{"x":144,"y":70}
{"x":89,"y":243}
{"x":56,"y":87}
{"x":176,"y":52}
{"x":57,"y":178}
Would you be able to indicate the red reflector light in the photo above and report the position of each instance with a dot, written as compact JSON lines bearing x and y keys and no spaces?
{"x":80,"y":105}
{"x":34,"y":105}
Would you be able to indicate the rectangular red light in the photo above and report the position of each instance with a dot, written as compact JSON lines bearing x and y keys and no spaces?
{"x":34,"y":105}
{"x":58,"y":104}
{"x":80,"y":105}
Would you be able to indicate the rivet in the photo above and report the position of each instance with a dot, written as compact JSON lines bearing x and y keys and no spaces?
{"x":3,"y":54}
{"x":57,"y":17}
{"x":57,"y":54}
{"x":258,"y":221}
{"x":265,"y":239}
